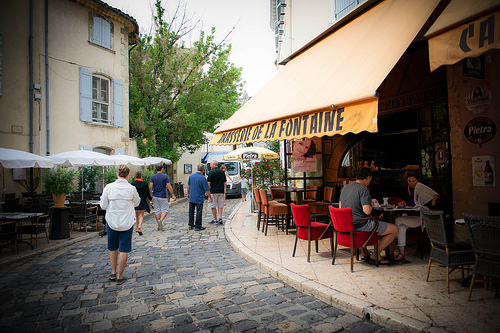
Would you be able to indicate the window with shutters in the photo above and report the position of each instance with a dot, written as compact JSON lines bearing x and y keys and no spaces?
{"x":100,"y":100}
{"x":101,"y":32}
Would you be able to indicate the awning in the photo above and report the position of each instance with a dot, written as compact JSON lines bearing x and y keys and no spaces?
{"x":466,"y":28}
{"x":329,"y":88}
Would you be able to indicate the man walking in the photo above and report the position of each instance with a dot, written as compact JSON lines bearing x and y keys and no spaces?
{"x":217,"y":182}
{"x":196,"y":190}
{"x":118,"y":199}
{"x":356,"y":196}
{"x":158,"y":184}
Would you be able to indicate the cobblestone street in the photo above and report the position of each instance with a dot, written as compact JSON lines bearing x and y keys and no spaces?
{"x":179,"y":281}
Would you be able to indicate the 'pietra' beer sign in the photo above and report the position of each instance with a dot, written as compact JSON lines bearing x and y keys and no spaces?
{"x":249,"y":156}
{"x":480,"y":130}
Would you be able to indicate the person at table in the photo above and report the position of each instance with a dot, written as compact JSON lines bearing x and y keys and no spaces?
{"x":356,"y":196}
{"x":143,"y":190}
{"x":404,"y":222}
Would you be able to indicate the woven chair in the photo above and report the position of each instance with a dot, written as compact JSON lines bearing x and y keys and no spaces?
{"x":346,"y":236}
{"x":310,"y":231}
{"x":83,"y":214}
{"x":450,"y":255}
{"x":8,"y":234}
{"x":276,"y":210}
{"x":37,"y":226}
{"x":484,"y":232}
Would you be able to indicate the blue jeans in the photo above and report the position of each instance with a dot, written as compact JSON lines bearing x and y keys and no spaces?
{"x":199,"y":213}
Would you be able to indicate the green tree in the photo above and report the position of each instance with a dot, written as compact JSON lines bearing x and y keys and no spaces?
{"x":177,"y":93}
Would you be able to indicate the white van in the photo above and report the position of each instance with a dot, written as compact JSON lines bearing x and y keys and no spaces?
{"x":233,"y":169}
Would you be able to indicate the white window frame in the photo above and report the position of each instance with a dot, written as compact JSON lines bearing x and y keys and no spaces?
{"x":98,"y":103}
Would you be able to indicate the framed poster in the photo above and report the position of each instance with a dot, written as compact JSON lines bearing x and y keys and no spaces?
{"x":304,"y":156}
{"x":188,"y":168}
{"x":483,"y":170}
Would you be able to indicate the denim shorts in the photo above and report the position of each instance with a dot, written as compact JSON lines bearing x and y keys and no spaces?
{"x":120,"y":240}
{"x":244,"y":191}
{"x":368,"y":227}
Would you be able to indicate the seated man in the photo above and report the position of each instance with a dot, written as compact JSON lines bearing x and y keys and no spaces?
{"x":357,"y":197}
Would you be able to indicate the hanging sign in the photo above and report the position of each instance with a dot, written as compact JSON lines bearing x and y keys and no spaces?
{"x":480,"y":130}
{"x":478,"y":98}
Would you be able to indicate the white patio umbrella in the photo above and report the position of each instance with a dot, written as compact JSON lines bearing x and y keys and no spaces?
{"x":251,"y":153}
{"x":82,"y":158}
{"x":127,"y":159}
{"x":13,"y":158}
{"x":156,"y":160}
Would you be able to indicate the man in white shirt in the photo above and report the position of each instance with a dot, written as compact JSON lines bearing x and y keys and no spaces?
{"x":119,"y":199}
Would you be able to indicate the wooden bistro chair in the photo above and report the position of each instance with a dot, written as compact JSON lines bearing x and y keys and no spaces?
{"x":311,"y":196}
{"x":277,"y":194}
{"x":37,"y":226}
{"x":346,"y":236}
{"x":448,"y":254}
{"x":260,"y":212}
{"x":484,"y":232}
{"x":308,"y":230}
{"x":276,"y":210}
{"x":319,"y":209}
{"x":84,"y":214}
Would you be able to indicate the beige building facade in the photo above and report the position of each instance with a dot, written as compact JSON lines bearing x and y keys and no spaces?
{"x":64,"y":76}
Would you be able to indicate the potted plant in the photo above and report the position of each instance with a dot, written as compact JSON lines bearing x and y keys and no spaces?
{"x":59,"y":181}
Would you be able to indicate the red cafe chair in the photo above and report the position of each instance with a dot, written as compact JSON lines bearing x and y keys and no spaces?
{"x":346,"y":236}
{"x":308,"y":230}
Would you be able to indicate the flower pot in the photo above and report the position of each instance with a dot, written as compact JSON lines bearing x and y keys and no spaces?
{"x":58,"y":200}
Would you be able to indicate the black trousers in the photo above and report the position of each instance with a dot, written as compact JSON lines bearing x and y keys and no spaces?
{"x":199,"y":213}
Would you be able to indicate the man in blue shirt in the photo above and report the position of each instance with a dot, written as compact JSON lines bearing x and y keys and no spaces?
{"x":158,"y":184}
{"x":197,"y":189}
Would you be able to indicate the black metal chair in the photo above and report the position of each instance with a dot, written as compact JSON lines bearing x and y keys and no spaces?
{"x":84,"y":214}
{"x":450,"y":255}
{"x":484,"y":232}
{"x":37,"y":226}
{"x":8,"y":234}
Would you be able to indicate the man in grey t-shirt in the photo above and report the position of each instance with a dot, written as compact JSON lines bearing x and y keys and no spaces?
{"x":356,"y":196}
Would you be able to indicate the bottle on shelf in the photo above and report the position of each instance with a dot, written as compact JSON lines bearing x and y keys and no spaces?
{"x":488,"y":173}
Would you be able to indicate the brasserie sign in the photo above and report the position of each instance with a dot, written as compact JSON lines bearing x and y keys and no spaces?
{"x":343,"y":120}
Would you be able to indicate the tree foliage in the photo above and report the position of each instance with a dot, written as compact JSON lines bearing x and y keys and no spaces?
{"x":177,"y":93}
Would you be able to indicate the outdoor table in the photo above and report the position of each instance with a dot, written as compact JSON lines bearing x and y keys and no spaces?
{"x":300,"y":199}
{"x":19,"y":217}
{"x":394,"y":211}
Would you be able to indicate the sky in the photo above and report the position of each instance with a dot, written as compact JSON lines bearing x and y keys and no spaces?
{"x":252,"y":39}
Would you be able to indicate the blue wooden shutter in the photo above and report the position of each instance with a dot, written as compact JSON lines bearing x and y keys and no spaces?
{"x":85,"y":95}
{"x":97,"y":30}
{"x":120,"y":151}
{"x":118,"y":116}
{"x":84,"y":147}
{"x":106,"y":34}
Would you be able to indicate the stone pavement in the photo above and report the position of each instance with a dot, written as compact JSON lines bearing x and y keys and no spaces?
{"x":179,"y":281}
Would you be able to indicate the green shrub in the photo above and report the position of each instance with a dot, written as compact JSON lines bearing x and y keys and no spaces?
{"x":59,"y":181}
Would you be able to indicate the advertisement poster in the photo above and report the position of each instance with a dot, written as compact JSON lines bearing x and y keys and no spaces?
{"x":304,"y":156}
{"x":483,"y":170}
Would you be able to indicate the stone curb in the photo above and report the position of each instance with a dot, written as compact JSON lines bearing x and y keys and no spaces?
{"x":360,"y":308}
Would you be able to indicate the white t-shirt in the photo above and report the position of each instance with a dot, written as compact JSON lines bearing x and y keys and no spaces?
{"x":119,"y":199}
{"x":244,"y":183}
